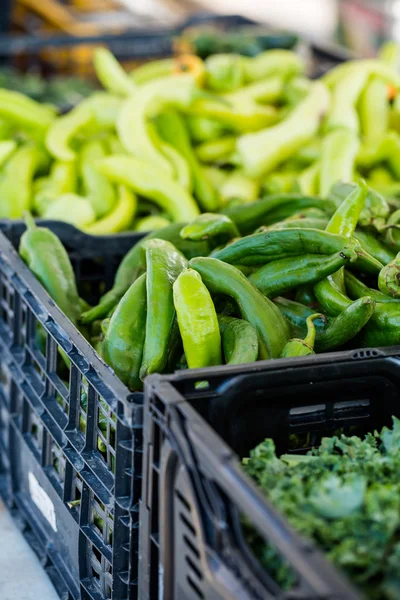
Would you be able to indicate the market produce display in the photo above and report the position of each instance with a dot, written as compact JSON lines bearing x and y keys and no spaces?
{"x":344,"y":495}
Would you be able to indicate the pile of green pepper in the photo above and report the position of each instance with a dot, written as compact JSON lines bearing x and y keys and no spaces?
{"x":201,"y":293}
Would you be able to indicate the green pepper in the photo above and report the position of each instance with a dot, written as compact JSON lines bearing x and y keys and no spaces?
{"x":110,"y":73}
{"x":263,"y":151}
{"x":389,"y":278}
{"x":7,"y":147}
{"x":280,"y":276}
{"x":221,"y":278}
{"x":371,"y":67}
{"x":224,"y":72}
{"x":248,"y":217}
{"x":374,"y":111}
{"x":299,"y":347}
{"x":376,"y":208}
{"x":48,"y":260}
{"x":25,"y":112}
{"x":152,"y":70}
{"x":16,"y":183}
{"x":61,"y":180}
{"x":344,"y":222}
{"x":124,"y":339}
{"x":373,"y":246}
{"x":342,"y":112}
{"x":267,"y":91}
{"x":172,"y":129}
{"x":305,"y":295}
{"x":180,"y":165}
{"x":238,"y":185}
{"x":346,"y":325}
{"x":133,"y":265}
{"x":145,"y":179}
{"x":209,"y":225}
{"x":280,"y":182}
{"x":303,"y":223}
{"x":271,"y":63}
{"x":384,"y":327}
{"x":283,"y":243}
{"x":120,"y":218}
{"x":96,"y":186}
{"x":218,"y":150}
{"x":151,"y":223}
{"x":357,"y":289}
{"x":204,"y":129}
{"x":73,"y":209}
{"x":392,"y":237}
{"x":297,"y":314}
{"x":149,"y":99}
{"x":164,"y":263}
{"x":197,"y":319}
{"x":64,"y":129}
{"x":239,"y":340}
{"x":338,"y":154}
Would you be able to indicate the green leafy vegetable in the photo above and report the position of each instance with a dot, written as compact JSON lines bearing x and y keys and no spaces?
{"x":344,"y":495}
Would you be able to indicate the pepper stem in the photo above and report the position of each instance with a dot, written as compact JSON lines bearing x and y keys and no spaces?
{"x":29,"y":221}
{"x":311,"y":332}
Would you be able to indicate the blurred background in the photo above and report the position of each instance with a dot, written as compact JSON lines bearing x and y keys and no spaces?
{"x":361,"y":25}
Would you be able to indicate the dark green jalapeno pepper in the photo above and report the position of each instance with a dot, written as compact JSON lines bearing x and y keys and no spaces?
{"x":133,"y":265}
{"x":164,"y":263}
{"x":296,"y":314}
{"x":221,"y":278}
{"x":122,"y":347}
{"x":280,"y":276}
{"x":239,"y":340}
{"x":300,"y":347}
{"x":275,"y":244}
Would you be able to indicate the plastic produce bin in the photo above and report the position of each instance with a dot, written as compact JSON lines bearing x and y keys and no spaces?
{"x":194,"y":494}
{"x":71,"y":436}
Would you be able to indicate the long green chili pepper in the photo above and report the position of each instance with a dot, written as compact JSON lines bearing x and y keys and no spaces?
{"x":338,"y":154}
{"x":372,"y":67}
{"x":62,"y":180}
{"x":376,"y":209}
{"x":146,"y":180}
{"x":122,"y":347}
{"x":224,"y":72}
{"x":281,"y":276}
{"x":203,"y":129}
{"x":261,"y":152}
{"x":239,"y":340}
{"x":297,"y":314}
{"x":97,"y":188}
{"x":151,"y":223}
{"x":16,"y":183}
{"x":282,"y":243}
{"x":25,"y":112}
{"x":238,"y":185}
{"x":357,"y":289}
{"x":300,"y":347}
{"x":344,"y":222}
{"x":267,"y":91}
{"x":346,"y":325}
{"x":306,"y":223}
{"x":373,"y":246}
{"x":48,"y":260}
{"x":120,"y":218}
{"x":110,"y":73}
{"x":164,"y":263}
{"x":172,"y":129}
{"x":148,"y":100}
{"x":209,"y":225}
{"x":197,"y":320}
{"x":7,"y":147}
{"x":248,"y":217}
{"x":221,"y":278}
{"x":342,"y":112}
{"x":218,"y":150}
{"x":383,"y":329}
{"x":271,"y":63}
{"x":73,"y":209}
{"x":374,"y":110}
{"x":389,"y":278}
{"x":133,"y":265}
{"x":64,"y":129}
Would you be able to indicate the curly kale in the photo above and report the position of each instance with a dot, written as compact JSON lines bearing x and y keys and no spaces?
{"x":344,"y":495}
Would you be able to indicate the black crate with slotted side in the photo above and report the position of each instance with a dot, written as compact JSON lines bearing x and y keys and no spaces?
{"x":71,"y":432}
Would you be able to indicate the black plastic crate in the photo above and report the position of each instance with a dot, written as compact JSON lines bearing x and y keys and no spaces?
{"x":195,"y":492}
{"x":70,"y":436}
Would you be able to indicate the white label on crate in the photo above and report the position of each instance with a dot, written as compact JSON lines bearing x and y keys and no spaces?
{"x":42,"y":501}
